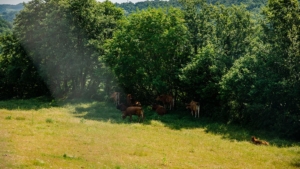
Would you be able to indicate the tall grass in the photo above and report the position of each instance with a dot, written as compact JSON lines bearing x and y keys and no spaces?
{"x":81,"y":134}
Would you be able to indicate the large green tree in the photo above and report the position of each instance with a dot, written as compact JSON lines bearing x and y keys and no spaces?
{"x":19,"y":78}
{"x":64,"y":38}
{"x":233,"y":30}
{"x":261,"y":90}
{"x":148,"y":50}
{"x":197,"y":15}
{"x":282,"y":30}
{"x":219,"y":36}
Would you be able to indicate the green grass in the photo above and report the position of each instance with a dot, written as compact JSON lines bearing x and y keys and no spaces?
{"x":82,"y":134}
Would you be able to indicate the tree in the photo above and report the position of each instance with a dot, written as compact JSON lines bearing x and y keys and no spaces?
{"x":200,"y":77}
{"x":281,"y":27}
{"x":219,"y":36}
{"x":64,"y":39}
{"x":196,"y":15}
{"x":4,"y":25}
{"x":148,"y":50}
{"x":261,"y":90}
{"x":19,"y":77}
{"x":233,"y":32}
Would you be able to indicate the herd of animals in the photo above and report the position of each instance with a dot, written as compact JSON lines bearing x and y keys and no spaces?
{"x":134,"y":107}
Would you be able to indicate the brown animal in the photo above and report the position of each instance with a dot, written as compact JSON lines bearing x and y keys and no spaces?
{"x":259,"y":142}
{"x":121,"y":107}
{"x":132,"y":102}
{"x":133,"y":111}
{"x":167,"y":100}
{"x":116,"y":97}
{"x":129,"y":100}
{"x":194,"y":107}
{"x":160,"y":110}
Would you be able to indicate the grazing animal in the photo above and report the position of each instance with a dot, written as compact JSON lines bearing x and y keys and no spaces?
{"x":160,"y":110}
{"x":194,"y":107}
{"x":122,"y":107}
{"x":259,"y":142}
{"x":167,"y":100}
{"x":138,"y":111}
{"x":129,"y":100}
{"x":116,"y":97}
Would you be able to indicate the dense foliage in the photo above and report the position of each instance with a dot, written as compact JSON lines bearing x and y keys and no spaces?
{"x":65,"y":39}
{"x":4,"y":26}
{"x":18,"y":76}
{"x":148,"y":50}
{"x":241,"y":68}
{"x":262,"y":88}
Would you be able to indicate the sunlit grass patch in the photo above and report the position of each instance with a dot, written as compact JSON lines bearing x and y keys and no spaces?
{"x":49,"y":120}
{"x":156,"y":123}
{"x":93,"y":135}
{"x":38,"y":162}
{"x":20,"y":118}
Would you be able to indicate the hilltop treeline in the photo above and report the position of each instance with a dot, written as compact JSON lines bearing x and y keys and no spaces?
{"x":242,"y":68}
{"x":129,"y":7}
{"x":8,"y":12}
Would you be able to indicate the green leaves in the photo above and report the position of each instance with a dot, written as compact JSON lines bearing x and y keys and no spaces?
{"x":19,"y":77}
{"x":65,"y":39}
{"x":148,"y":49}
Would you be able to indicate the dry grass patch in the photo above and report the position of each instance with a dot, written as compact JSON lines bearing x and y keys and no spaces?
{"x":92,"y":135}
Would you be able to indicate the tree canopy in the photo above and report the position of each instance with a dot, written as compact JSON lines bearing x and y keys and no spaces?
{"x":64,"y":39}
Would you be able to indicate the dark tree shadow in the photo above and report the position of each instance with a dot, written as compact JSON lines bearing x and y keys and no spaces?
{"x":28,"y":104}
{"x":296,"y":162}
{"x":180,"y":119}
{"x":175,"y":120}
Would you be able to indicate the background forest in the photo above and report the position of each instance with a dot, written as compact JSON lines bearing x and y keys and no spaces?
{"x":241,"y":62}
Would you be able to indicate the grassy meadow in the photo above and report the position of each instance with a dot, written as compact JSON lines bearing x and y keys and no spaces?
{"x":69,"y":135}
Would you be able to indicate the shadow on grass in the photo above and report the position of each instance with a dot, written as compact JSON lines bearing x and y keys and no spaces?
{"x":296,"y":162}
{"x":28,"y":104}
{"x":178,"y":120}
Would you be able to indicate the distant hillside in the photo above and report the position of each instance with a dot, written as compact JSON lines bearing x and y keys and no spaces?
{"x":8,"y":12}
{"x":252,"y":5}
